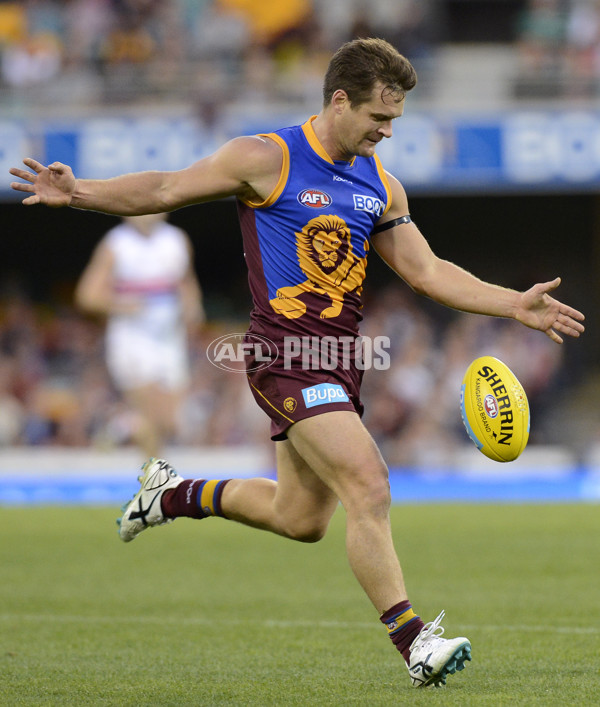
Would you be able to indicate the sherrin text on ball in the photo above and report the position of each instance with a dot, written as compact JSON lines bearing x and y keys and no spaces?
{"x":494,"y":409}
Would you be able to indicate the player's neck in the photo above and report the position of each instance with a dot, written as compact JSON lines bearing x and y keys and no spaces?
{"x":325,"y":132}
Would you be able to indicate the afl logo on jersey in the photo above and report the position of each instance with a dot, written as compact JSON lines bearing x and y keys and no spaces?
{"x":315,"y":198}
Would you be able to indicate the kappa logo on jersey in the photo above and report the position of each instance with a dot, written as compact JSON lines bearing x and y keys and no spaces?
{"x":315,"y":198}
{"x":371,"y":204}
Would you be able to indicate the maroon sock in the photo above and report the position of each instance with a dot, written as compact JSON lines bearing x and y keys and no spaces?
{"x":403,"y":626}
{"x":194,"y":498}
{"x":181,"y":501}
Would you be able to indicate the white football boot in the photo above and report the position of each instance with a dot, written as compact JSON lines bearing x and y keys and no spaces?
{"x":144,"y":511}
{"x":432,"y":657}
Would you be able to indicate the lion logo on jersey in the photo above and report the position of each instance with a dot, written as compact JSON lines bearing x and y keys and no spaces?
{"x":326,"y":258}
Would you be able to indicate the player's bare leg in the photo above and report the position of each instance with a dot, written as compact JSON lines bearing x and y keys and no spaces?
{"x":316,"y":467}
{"x":338,"y":448}
{"x":299,"y":505}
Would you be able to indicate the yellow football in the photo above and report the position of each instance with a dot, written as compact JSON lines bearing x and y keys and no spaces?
{"x":494,"y":409}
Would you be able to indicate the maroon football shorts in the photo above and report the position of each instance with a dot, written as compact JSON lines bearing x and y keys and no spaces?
{"x":290,"y":395}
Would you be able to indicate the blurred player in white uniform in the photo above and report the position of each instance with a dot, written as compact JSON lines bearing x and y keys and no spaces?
{"x":141,"y":278}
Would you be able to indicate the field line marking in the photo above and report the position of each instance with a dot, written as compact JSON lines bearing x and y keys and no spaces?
{"x":274,"y":623}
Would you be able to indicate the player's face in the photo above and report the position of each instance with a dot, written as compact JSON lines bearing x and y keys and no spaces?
{"x":365,"y":125}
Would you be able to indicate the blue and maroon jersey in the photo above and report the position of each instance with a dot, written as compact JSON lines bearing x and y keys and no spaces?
{"x":306,"y":245}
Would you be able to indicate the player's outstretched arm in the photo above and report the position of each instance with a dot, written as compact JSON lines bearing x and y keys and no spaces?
{"x":56,"y":186}
{"x":246,"y":166}
{"x":406,"y":251}
{"x":538,"y":310}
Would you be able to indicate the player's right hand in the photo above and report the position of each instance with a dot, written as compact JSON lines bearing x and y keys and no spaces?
{"x":53,"y":185}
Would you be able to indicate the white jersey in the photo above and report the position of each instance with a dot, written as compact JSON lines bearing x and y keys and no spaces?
{"x":150,"y":345}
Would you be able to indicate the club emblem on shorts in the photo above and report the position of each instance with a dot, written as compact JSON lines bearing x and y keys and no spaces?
{"x":290,"y":404}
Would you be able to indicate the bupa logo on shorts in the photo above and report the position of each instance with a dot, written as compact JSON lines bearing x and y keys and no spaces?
{"x":315,"y":198}
{"x":371,"y":204}
{"x":324,"y":393}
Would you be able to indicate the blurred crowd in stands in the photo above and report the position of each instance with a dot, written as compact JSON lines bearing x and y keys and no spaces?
{"x":559,"y":48}
{"x":214,"y":48}
{"x":215,"y":51}
{"x":54,"y":388}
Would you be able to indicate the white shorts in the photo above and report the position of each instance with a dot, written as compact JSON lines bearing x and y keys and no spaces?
{"x":134,"y":361}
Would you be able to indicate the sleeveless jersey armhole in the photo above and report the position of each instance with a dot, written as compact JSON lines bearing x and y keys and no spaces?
{"x":283,"y":176}
{"x":386,"y":184}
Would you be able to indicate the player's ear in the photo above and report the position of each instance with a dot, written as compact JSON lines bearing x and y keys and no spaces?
{"x":340,"y":100}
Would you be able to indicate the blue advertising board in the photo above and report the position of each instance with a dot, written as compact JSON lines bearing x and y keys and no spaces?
{"x":512,"y":152}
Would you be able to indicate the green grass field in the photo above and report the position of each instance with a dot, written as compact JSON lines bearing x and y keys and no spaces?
{"x":213,"y":613}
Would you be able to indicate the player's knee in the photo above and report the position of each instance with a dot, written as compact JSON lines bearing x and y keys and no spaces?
{"x":370,"y":495}
{"x":378,"y":499}
{"x":306,"y":530}
{"x":312,"y":535}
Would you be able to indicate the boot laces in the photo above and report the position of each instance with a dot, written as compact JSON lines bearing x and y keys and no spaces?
{"x":430,"y":631}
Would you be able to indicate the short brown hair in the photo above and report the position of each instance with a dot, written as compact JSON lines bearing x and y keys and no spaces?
{"x":361,"y":63}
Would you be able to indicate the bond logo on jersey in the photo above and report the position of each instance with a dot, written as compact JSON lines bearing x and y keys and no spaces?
{"x":371,"y":204}
{"x":324,"y":393}
{"x":315,"y":198}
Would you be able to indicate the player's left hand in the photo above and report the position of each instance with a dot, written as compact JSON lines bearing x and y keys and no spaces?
{"x":53,"y":185}
{"x":538,"y":310}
